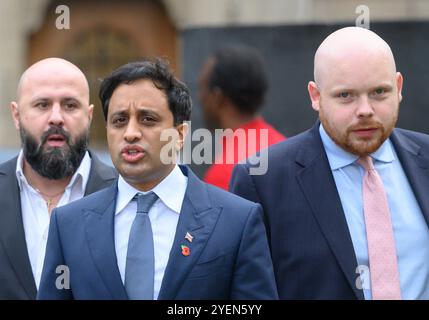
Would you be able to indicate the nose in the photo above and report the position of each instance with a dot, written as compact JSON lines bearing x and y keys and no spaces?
{"x":132,"y":132}
{"x":364,"y":108}
{"x":56,"y":117}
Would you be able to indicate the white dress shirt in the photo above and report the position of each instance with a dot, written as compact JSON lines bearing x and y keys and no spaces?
{"x":164,"y":216}
{"x":35,"y":214}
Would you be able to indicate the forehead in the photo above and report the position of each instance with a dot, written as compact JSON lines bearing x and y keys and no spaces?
{"x":141,"y":93}
{"x":53,"y":86}
{"x":357,"y":70}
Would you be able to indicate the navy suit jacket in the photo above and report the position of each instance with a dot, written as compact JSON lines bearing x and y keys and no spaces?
{"x":311,"y":246}
{"x":229,"y":255}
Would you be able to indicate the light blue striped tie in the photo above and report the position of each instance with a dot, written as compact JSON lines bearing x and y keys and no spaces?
{"x":140,"y":266}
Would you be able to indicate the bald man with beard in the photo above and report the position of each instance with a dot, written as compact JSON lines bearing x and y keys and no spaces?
{"x":346,"y":202}
{"x":53,"y":115}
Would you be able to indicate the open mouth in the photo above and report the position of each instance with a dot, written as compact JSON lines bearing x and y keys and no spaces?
{"x":132,"y":153}
{"x":55,"y":140}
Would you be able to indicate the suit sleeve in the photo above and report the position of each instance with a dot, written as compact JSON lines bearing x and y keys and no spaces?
{"x":55,"y":280}
{"x":241,"y":184}
{"x":253,"y":277}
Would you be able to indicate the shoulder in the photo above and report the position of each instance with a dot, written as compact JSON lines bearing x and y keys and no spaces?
{"x":415,"y":142}
{"x":287,"y":149}
{"x":230,"y":202}
{"x":418,"y":137}
{"x":8,"y":166}
{"x":97,"y":201}
{"x":283,"y":155}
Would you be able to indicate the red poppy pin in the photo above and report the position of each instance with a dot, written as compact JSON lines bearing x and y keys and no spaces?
{"x":185,"y":250}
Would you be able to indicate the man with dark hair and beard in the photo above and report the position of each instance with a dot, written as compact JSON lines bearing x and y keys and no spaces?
{"x":53,"y":115}
{"x":346,"y":202}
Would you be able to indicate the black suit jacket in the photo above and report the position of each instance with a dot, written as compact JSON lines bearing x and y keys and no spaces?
{"x":311,"y":246}
{"x":16,"y":276}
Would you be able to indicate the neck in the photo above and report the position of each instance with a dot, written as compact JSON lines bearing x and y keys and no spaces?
{"x":150,"y":182}
{"x":45,"y":185}
{"x":234,"y":119}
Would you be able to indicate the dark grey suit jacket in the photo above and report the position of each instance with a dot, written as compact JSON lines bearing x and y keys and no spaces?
{"x":16,"y":277}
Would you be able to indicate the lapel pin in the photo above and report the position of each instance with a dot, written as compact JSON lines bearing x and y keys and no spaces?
{"x":185,"y":250}
{"x":189,"y":237}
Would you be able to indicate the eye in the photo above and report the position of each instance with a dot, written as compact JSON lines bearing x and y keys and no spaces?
{"x":379,"y":91}
{"x":42,"y":105}
{"x":148,"y":119}
{"x":344,"y":95}
{"x":70,"y":106}
{"x":118,"y":121}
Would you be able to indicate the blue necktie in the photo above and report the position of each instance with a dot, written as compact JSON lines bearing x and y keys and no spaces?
{"x":140,"y":265}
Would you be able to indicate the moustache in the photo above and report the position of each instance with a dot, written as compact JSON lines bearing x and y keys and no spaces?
{"x":365,"y":125}
{"x":57,"y":131}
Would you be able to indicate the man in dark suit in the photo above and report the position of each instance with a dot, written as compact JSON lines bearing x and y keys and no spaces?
{"x":53,"y":115}
{"x":159,"y":232}
{"x":345,"y":202}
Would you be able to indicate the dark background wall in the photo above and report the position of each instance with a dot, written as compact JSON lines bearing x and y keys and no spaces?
{"x":289,"y":52}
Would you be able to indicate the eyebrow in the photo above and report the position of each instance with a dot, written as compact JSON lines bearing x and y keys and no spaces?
{"x":140,"y":111}
{"x":44,"y":99}
{"x":384,"y":85}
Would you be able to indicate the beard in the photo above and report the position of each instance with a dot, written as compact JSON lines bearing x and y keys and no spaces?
{"x":348,"y":141}
{"x":54,"y":163}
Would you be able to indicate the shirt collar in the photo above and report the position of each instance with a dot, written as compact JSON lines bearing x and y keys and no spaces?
{"x":171,"y":191}
{"x":339,"y":158}
{"x":80,"y":176}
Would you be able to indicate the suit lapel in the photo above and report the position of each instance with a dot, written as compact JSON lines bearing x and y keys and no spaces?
{"x":12,"y":229}
{"x":318,"y":185}
{"x":101,"y":175}
{"x":99,"y":225}
{"x":415,"y":166}
{"x":199,"y":219}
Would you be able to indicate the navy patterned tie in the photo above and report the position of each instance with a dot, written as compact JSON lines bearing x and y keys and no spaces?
{"x":140,"y":265}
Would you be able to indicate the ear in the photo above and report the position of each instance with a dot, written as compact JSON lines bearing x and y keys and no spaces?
{"x":183,"y":130}
{"x":90,"y":112}
{"x":219,"y":99}
{"x":15,"y":113}
{"x":314,"y":93}
{"x":399,"y":83}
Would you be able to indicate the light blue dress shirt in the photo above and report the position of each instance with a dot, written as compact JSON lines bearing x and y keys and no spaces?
{"x":409,"y":226}
{"x":164,"y":217}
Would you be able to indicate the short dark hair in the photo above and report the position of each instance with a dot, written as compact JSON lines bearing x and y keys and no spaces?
{"x":178,"y":97}
{"x":239,"y":72}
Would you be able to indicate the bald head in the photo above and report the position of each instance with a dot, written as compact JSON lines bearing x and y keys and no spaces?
{"x":350,"y":45}
{"x":357,"y":90}
{"x":53,"y":69}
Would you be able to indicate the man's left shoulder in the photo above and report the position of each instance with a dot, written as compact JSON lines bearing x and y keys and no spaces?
{"x":228,"y":200}
{"x":406,"y":136}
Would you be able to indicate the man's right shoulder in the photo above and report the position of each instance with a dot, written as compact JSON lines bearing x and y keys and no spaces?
{"x":286,"y":151}
{"x":95,"y":202}
{"x":9,"y":166}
